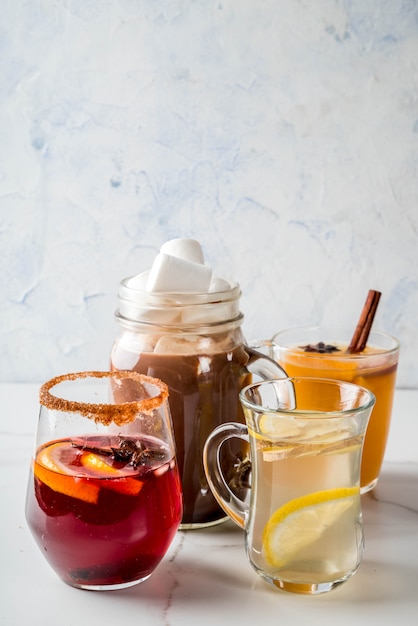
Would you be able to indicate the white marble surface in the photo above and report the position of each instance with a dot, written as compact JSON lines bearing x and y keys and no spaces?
{"x":205,"y":578}
{"x":283,"y":135}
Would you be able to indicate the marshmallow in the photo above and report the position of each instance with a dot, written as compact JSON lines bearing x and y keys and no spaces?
{"x":193,"y":315}
{"x":174,"y":275}
{"x":218,"y":284}
{"x":126,"y":350}
{"x":187,"y":345}
{"x":175,"y":345}
{"x":183,"y":248}
{"x":138,"y":282}
{"x":173,"y":290}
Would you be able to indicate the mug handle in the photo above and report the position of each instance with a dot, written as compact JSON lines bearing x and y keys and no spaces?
{"x":262,"y":365}
{"x":233,"y":506}
{"x":236,"y":508}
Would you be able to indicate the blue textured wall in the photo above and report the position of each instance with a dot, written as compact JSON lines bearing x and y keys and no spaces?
{"x":282,"y":135}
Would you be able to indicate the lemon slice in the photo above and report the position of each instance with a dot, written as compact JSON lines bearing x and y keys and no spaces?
{"x":311,"y":428}
{"x":302,"y":521}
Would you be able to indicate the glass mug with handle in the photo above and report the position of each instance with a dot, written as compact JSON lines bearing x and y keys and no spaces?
{"x":104,"y":497}
{"x":303,"y":521}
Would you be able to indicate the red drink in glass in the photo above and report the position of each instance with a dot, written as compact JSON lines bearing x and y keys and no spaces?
{"x":104,"y":509}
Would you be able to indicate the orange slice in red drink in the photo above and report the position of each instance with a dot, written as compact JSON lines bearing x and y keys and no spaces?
{"x":51,"y":469}
{"x":99,"y":468}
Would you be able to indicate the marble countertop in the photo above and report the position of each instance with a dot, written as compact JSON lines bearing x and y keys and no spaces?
{"x":205,"y":577}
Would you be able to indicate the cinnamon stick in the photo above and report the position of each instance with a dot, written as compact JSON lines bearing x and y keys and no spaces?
{"x":364,"y":324}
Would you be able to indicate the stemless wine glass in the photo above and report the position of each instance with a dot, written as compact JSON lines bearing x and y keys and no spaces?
{"x":104,"y":496}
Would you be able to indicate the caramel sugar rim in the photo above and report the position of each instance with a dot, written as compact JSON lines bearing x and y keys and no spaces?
{"x":120,"y":413}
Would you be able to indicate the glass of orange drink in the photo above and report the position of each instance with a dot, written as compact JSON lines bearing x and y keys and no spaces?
{"x":322,"y":352}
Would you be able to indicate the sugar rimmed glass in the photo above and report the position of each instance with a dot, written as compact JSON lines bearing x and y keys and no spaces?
{"x":104,"y":496}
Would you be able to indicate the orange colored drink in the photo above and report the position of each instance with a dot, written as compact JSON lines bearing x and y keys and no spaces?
{"x":321,"y":352}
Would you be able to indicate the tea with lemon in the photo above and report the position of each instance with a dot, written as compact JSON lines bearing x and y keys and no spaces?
{"x":102,"y":509}
{"x":307,"y":487}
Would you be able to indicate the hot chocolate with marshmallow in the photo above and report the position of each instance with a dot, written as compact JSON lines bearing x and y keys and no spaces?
{"x":183,"y":325}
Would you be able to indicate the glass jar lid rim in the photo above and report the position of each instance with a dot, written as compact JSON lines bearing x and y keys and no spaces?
{"x":177,"y":299}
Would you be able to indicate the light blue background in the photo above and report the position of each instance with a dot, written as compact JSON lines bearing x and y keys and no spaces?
{"x":280,"y":133}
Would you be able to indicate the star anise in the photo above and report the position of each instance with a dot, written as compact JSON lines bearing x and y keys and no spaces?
{"x":128,"y":452}
{"x":146,"y":456}
{"x":136,"y":453}
{"x":321,"y":348}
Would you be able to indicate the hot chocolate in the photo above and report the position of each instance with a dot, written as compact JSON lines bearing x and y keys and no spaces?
{"x":181,"y":324}
{"x":203,"y":393}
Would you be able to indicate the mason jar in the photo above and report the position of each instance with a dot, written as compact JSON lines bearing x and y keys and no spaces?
{"x":194,"y":343}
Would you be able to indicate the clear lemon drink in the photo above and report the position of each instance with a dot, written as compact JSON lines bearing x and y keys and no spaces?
{"x":307,"y":529}
{"x":301,"y":510}
{"x":323,"y":353}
